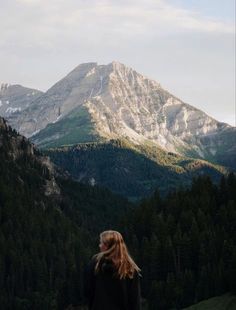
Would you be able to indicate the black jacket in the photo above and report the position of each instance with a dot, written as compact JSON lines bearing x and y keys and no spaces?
{"x":104,"y":291}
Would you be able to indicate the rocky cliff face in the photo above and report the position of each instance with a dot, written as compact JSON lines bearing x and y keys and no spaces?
{"x":113,"y":101}
{"x":16,"y":149}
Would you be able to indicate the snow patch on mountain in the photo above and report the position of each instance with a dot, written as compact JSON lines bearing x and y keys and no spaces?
{"x":12,"y":110}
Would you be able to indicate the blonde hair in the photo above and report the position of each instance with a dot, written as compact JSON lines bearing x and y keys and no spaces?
{"x":117,"y":253}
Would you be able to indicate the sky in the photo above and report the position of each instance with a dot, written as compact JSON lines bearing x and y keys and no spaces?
{"x":188,"y":46}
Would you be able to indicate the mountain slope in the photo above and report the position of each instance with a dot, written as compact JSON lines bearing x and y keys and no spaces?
{"x":57,"y":102}
{"x":128,"y":169}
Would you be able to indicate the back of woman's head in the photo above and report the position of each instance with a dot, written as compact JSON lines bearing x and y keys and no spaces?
{"x":113,"y":249}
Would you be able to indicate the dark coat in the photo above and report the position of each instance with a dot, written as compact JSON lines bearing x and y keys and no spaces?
{"x":104,"y":291}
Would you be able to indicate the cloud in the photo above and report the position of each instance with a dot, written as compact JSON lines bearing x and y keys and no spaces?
{"x":48,"y":25}
{"x":169,"y":43}
{"x":130,"y":17}
{"x":33,"y":26}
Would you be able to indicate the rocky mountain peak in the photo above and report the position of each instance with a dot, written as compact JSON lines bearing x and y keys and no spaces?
{"x":114,"y":101}
{"x":118,"y":66}
{"x":81,"y":70}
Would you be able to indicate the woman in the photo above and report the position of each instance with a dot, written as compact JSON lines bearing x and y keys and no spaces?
{"x":112,"y":281}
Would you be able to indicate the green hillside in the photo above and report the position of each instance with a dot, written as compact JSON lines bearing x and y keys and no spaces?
{"x":130,"y":170}
{"x":225,"y":302}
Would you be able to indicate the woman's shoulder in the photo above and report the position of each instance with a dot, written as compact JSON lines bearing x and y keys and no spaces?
{"x":103,"y":263}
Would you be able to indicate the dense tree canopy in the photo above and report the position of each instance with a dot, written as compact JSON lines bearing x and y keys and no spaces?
{"x":186,"y":243}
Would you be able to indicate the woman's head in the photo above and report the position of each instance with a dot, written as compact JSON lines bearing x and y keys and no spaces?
{"x":110,"y":239}
{"x":113,"y":248}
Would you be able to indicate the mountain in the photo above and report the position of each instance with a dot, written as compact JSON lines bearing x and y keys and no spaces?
{"x":132,"y":170}
{"x":103,"y":102}
{"x":14,"y":99}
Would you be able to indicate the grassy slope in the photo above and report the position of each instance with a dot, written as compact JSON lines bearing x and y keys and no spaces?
{"x":74,"y":128}
{"x":225,"y":302}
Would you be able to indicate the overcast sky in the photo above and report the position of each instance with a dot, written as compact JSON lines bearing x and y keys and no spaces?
{"x":188,"y":46}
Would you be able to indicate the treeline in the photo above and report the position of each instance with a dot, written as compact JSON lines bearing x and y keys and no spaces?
{"x":186,"y":243}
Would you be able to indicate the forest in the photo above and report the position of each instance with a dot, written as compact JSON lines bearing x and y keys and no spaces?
{"x":184,"y":243}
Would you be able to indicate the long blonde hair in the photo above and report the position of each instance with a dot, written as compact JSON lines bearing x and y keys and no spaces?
{"x":116,"y":252}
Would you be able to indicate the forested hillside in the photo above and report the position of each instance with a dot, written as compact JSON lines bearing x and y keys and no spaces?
{"x":133,"y":171}
{"x":48,"y":228}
